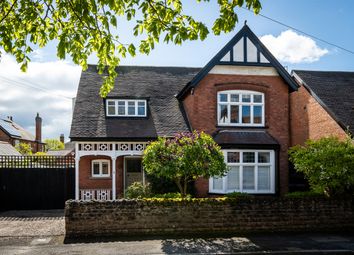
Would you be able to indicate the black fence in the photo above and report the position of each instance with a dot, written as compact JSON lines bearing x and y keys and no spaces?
{"x":36,"y":182}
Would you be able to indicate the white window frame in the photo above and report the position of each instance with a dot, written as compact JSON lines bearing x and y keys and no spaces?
{"x":126,"y":101}
{"x":100,"y":161}
{"x":240,"y":104}
{"x":225,"y":190}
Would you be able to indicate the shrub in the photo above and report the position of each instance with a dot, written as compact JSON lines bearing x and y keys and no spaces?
{"x":184,"y":158}
{"x":237,"y":195}
{"x":24,"y":148}
{"x":303,"y":194}
{"x":327,"y":164}
{"x":137,"y":190}
{"x":169,"y":195}
{"x":162,"y":185}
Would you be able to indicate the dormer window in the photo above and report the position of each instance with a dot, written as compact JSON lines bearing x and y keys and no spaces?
{"x":240,"y":108}
{"x":126,"y":108}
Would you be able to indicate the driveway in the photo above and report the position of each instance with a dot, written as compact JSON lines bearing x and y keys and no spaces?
{"x":25,"y":227}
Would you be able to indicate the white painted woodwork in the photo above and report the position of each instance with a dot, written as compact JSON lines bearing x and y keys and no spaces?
{"x":244,"y":70}
{"x":226,"y":58}
{"x":263,"y":59}
{"x":238,"y":51}
{"x":251,"y":51}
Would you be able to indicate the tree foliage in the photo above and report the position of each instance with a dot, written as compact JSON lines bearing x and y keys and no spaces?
{"x":54,"y":145}
{"x":328,"y":165}
{"x":24,"y":148}
{"x":82,"y":28}
{"x":184,"y":158}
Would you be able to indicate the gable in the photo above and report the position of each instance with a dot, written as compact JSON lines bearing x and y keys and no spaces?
{"x":244,"y":49}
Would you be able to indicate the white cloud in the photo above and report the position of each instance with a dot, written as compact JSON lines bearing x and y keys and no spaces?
{"x":46,"y":87}
{"x":293,"y":48}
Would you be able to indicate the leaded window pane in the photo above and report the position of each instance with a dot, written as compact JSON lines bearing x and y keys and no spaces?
{"x":235,"y":97}
{"x":263,"y":157}
{"x":248,"y":177}
{"x":222,"y":97}
{"x":257,"y":98}
{"x":248,"y":157}
{"x":246,"y":98}
{"x":233,"y":157}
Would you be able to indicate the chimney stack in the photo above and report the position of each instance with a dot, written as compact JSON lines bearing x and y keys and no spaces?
{"x":38,"y":128}
{"x":62,"y":138}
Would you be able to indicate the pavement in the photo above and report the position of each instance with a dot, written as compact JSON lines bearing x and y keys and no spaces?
{"x":42,"y":232}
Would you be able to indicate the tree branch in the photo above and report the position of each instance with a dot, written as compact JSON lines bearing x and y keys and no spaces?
{"x":7,"y":14}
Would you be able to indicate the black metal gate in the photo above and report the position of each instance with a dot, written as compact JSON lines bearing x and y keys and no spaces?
{"x":36,"y":182}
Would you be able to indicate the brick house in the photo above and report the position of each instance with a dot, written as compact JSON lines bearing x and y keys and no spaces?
{"x":241,"y":98}
{"x":323,"y":105}
{"x":12,"y":133}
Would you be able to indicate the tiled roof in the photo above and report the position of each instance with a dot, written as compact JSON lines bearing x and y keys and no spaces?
{"x":8,"y":149}
{"x":334,"y":91}
{"x":247,"y":137}
{"x":59,"y":152}
{"x":15,"y":130}
{"x":158,"y":84}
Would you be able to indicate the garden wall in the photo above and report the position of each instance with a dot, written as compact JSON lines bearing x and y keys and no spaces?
{"x":206,"y":216}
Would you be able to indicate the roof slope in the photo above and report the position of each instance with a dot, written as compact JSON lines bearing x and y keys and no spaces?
{"x":15,"y":130}
{"x":334,"y":91}
{"x":158,"y":85}
{"x":244,"y":34}
{"x":8,"y":149}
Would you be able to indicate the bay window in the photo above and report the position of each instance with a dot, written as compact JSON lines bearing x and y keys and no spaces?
{"x":250,"y":171}
{"x":240,"y":108}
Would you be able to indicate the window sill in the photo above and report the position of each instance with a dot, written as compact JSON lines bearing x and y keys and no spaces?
{"x":241,"y":127}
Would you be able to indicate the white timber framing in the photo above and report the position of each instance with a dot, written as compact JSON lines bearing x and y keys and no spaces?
{"x":109,"y":149}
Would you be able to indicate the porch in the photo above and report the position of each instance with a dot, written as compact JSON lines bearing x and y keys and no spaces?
{"x":103,"y":170}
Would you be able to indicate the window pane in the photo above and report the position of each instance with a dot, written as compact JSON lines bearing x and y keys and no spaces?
{"x":234,"y":113}
{"x":111,"y":110}
{"x":104,"y":168}
{"x":248,"y":177}
{"x":264,"y":177}
{"x":217,"y":183}
{"x":141,"y":111}
{"x":234,"y":98}
{"x":257,"y":98}
{"x":263,"y":157}
{"x":233,"y":157}
{"x":222,"y":97}
{"x":223,"y":114}
{"x":141,"y":104}
{"x":121,"y":108}
{"x":96,"y":168}
{"x":257,"y":114}
{"x":131,"y":108}
{"x":233,"y":178}
{"x":246,"y":114}
{"x":248,"y":157}
{"x":246,"y":98}
{"x":133,"y":165}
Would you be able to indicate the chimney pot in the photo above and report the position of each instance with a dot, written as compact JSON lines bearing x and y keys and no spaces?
{"x":62,"y":138}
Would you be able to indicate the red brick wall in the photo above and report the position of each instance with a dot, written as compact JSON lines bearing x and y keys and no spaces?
{"x":201,"y":109}
{"x":34,"y":145}
{"x":86,"y":181}
{"x":309,"y":120}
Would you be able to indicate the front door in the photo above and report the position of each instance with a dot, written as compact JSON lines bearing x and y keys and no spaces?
{"x":133,"y":171}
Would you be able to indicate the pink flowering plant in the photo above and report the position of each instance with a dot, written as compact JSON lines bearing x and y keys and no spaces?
{"x":184,"y":158}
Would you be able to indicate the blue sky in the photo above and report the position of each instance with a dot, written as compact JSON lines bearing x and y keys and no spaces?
{"x":328,"y":20}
